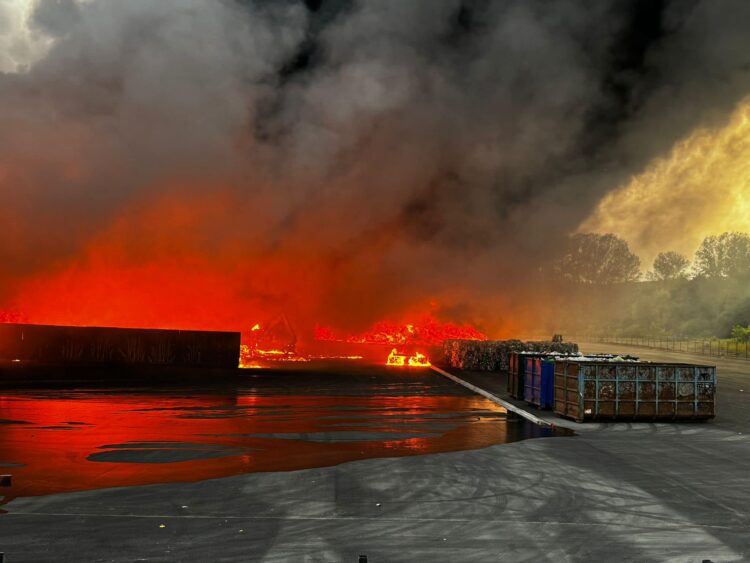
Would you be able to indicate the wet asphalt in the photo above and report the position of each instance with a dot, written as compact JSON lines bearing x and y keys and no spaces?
{"x":614,"y":491}
{"x":273,"y":420}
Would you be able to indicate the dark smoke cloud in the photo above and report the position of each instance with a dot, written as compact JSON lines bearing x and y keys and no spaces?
{"x":433,"y":144}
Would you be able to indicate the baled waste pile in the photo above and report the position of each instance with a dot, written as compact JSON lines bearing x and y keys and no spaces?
{"x":558,"y":347}
{"x":492,"y":355}
{"x":484,"y":355}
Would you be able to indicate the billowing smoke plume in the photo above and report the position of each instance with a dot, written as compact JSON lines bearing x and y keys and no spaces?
{"x":179,"y":163}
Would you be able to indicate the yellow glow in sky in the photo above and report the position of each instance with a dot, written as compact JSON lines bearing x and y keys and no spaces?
{"x":700,"y":188}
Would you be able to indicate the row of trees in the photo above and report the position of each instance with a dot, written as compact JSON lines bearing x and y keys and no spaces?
{"x":741,"y":333}
{"x":606,"y":259}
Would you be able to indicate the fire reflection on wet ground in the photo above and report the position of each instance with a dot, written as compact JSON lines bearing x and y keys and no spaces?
{"x":55,"y":441}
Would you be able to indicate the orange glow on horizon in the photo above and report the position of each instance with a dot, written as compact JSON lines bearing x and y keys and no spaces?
{"x":164,"y":263}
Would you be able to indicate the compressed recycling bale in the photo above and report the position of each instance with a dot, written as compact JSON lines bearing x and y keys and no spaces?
{"x":552,"y":346}
{"x":482,"y":355}
{"x":492,"y":355}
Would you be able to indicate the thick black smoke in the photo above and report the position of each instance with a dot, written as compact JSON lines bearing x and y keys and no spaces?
{"x":445,"y":147}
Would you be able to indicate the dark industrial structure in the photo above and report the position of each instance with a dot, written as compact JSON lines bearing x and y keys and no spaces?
{"x":85,"y":346}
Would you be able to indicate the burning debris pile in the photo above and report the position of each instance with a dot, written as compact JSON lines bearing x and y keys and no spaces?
{"x":492,"y":355}
{"x":274,"y":341}
{"x":427,"y":331}
{"x":269,"y":343}
{"x":416,"y":360}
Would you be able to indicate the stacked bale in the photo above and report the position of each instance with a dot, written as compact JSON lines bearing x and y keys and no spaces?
{"x":551,"y":346}
{"x":492,"y":355}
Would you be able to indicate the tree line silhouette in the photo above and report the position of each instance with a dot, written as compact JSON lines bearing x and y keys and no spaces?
{"x":596,"y":287}
{"x":591,"y":258}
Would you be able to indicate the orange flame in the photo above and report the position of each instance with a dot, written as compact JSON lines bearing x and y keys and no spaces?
{"x":395,"y":359}
{"x":253,"y":357}
{"x":417,"y":360}
{"x":12,"y":317}
{"x":428,"y":331}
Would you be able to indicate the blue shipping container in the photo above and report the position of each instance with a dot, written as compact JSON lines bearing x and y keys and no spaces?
{"x":539,"y":383}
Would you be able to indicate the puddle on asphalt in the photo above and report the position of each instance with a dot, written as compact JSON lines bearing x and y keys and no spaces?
{"x":55,"y":441}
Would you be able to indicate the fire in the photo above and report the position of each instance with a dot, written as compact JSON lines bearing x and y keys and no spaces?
{"x":12,"y":317}
{"x":351,"y":357}
{"x":417,"y":360}
{"x":428,"y":331}
{"x":251,"y":357}
{"x":272,"y":353}
{"x":395,"y":359}
{"x":171,"y":259}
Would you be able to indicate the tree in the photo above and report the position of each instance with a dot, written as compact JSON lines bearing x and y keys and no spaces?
{"x":670,"y":266}
{"x":741,"y":333}
{"x":594,"y":258}
{"x":723,"y":256}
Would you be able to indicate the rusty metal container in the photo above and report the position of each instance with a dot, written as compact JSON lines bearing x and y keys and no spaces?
{"x":516,"y":371}
{"x":586,"y":390}
{"x":71,"y":345}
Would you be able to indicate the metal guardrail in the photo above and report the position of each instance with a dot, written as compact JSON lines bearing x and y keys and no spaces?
{"x":705,"y":347}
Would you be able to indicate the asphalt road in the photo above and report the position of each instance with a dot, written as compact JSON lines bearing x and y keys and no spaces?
{"x":614,"y":492}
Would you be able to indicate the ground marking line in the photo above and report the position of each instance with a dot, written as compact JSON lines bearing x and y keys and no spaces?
{"x":494,"y":398}
{"x":666,"y":526}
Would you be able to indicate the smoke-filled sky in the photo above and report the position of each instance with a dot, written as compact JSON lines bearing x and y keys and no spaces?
{"x":209,"y":164}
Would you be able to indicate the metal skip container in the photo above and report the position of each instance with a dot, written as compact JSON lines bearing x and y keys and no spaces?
{"x":587,"y":390}
{"x":516,"y":373}
{"x":539,"y":382}
{"x":519,"y":372}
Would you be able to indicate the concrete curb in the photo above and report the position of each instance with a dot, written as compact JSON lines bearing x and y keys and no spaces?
{"x":494,"y":398}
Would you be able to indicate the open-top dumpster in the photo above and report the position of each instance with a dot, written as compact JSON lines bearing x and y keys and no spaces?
{"x":634,"y":390}
{"x":516,"y":373}
{"x":517,"y":370}
{"x":539,"y":382}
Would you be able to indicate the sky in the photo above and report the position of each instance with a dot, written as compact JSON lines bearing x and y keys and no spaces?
{"x":209,"y":164}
